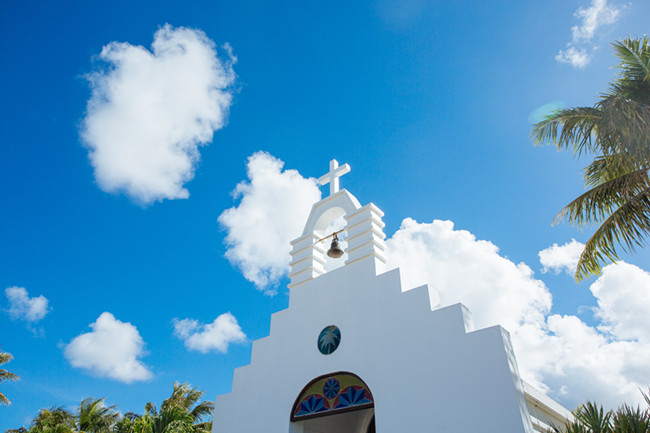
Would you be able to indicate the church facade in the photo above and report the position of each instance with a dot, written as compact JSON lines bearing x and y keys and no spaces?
{"x":355,"y":353}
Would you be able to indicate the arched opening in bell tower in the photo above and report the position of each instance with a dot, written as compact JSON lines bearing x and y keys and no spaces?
{"x":329,"y":223}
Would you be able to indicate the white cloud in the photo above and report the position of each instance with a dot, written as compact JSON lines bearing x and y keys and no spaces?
{"x":623,"y":294}
{"x":558,"y":258}
{"x":22,"y":307}
{"x":576,"y":362}
{"x":459,"y":268}
{"x":561,"y":354}
{"x":576,"y":57}
{"x":598,"y":14}
{"x":273,"y":208}
{"x":112,"y":349}
{"x":213,"y":336}
{"x":150,"y":111}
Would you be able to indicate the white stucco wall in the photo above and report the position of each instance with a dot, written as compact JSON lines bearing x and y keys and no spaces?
{"x":426,"y":371}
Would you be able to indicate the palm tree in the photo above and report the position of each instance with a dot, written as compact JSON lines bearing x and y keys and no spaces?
{"x":587,"y":418}
{"x":617,"y":130}
{"x":95,"y":417}
{"x":181,"y":412}
{"x":54,"y":420}
{"x":629,"y":419}
{"x":5,"y":357}
{"x":591,"y":418}
{"x":127,"y":424}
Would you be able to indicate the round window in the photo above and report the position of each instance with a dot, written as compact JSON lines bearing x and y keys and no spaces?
{"x":329,"y":339}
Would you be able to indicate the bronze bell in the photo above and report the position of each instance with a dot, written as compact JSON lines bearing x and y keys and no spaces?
{"x":335,"y":251}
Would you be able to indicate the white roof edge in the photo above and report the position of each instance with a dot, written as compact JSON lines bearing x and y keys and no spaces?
{"x":545,"y":400}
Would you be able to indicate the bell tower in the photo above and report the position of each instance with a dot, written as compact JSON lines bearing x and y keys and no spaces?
{"x":364,"y":229}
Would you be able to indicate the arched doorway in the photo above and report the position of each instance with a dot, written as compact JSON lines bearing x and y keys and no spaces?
{"x":334,"y":403}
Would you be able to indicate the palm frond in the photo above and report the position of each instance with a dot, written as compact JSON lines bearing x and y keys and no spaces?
{"x":202,"y":410}
{"x":182,"y":411}
{"x":204,"y":427}
{"x":635,"y":58}
{"x":5,"y":357}
{"x":150,"y":407}
{"x":192,"y":396}
{"x":95,"y":417}
{"x":608,"y":167}
{"x":6,"y":375}
{"x":629,"y":419}
{"x":569,"y":128}
{"x":625,"y":123}
{"x":53,"y":420}
{"x":177,"y":398}
{"x":594,"y":418}
{"x":628,"y":226}
{"x":168,"y":416}
{"x":604,"y":198}
{"x":646,"y":397}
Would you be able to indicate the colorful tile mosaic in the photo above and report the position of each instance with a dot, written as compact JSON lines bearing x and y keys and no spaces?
{"x":330,"y":394}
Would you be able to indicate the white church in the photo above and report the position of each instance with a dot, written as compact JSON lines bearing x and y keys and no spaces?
{"x":356,"y":353}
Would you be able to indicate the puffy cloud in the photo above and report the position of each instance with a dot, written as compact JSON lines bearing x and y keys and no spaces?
{"x":22,"y":307}
{"x":623,"y":294}
{"x":460,"y":268}
{"x":557,"y":258}
{"x":575,"y":362}
{"x":111,"y":350}
{"x":213,"y":336}
{"x":598,"y":14}
{"x":151,"y":110}
{"x":576,"y":57}
{"x":273,"y":208}
{"x":561,"y":355}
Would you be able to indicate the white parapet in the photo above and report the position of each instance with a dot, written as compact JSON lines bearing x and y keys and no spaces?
{"x":307,"y":259}
{"x":366,"y":235}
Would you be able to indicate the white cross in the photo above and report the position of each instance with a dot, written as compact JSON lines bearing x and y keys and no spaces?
{"x":333,"y":176}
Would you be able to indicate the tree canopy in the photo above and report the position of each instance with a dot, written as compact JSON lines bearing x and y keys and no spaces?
{"x":591,"y":418}
{"x":617,"y":131}
{"x":182,"y":412}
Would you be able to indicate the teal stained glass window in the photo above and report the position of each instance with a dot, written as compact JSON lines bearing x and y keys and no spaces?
{"x":329,"y":339}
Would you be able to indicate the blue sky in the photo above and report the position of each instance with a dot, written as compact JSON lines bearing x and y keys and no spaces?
{"x":116,"y":164}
